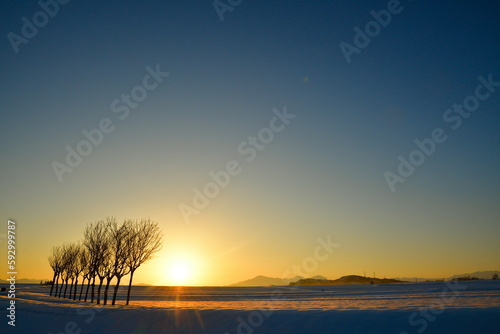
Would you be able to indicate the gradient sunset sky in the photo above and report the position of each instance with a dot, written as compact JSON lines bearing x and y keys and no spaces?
{"x":322,"y":175}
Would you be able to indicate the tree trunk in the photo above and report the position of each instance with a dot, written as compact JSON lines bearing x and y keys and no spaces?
{"x":118,"y":279}
{"x":99,"y":290}
{"x":81,"y":290}
{"x":66,"y":287}
{"x":108,"y":281}
{"x":61,"y":287}
{"x":57,"y":285}
{"x":130,"y":285}
{"x":71,"y":287}
{"x":93,"y":286}
{"x":52,"y":287}
{"x":76,"y":286}
{"x":88,"y":286}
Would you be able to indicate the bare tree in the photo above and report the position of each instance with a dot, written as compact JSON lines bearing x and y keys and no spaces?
{"x":111,"y":257}
{"x":72,"y":254}
{"x":108,"y":251}
{"x":102,"y":273}
{"x":64,"y":274}
{"x":144,"y":241}
{"x":118,"y":252}
{"x":55,"y":261}
{"x":90,"y":276}
{"x":85,"y":263}
{"x":96,"y":244}
{"x":125,"y":235}
{"x":78,"y":266}
{"x":63,"y":269}
{"x":67,"y":270}
{"x":103,"y":268}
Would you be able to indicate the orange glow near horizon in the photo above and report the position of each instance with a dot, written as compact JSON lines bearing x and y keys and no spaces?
{"x":216,"y":252}
{"x":179,"y":270}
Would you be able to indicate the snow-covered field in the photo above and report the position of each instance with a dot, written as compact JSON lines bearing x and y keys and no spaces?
{"x":464,"y":307}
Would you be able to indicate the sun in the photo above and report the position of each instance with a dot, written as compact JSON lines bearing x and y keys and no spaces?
{"x":180,"y":267}
{"x":179,"y":273}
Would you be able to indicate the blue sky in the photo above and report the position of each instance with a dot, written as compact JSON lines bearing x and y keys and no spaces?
{"x":324,"y":174}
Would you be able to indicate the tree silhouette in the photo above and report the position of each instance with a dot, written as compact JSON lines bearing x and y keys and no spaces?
{"x":78,"y":266}
{"x":118,"y":252}
{"x":67,"y":266}
{"x":55,"y":261}
{"x":96,"y":244}
{"x":85,"y":263}
{"x":102,"y":271}
{"x":108,"y":251}
{"x":121,"y":241}
{"x":72,"y":253}
{"x":145,"y":240}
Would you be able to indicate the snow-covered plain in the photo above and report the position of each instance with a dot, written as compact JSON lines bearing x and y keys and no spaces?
{"x":464,"y":307}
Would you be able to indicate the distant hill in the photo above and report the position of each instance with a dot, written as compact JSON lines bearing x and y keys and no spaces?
{"x":351,"y":279}
{"x":478,"y":274}
{"x":267,"y":281}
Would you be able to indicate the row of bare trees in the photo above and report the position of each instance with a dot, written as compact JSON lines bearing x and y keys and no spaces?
{"x":108,"y":251}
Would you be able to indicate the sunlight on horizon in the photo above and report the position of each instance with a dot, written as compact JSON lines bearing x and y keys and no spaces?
{"x":180,"y":271}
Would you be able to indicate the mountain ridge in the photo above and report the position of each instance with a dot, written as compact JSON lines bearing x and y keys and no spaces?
{"x":262,"y":280}
{"x":349,"y":279}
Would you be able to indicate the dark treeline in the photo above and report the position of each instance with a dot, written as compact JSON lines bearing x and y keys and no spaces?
{"x":108,"y":251}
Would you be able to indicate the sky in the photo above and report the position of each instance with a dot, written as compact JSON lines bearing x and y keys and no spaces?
{"x":305,"y":133}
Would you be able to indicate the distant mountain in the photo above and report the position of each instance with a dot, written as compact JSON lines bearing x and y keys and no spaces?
{"x":478,"y":274}
{"x":351,"y":279}
{"x":267,"y":281}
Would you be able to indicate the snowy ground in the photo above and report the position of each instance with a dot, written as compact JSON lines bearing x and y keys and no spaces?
{"x":467,"y":307}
